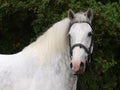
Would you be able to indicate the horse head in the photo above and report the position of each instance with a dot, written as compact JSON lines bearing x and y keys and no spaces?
{"x":80,"y":39}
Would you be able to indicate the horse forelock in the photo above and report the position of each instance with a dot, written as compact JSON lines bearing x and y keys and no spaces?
{"x":79,"y":17}
{"x":52,"y":42}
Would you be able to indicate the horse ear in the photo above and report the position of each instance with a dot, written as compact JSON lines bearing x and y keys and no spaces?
{"x":71,"y":14}
{"x":89,"y":14}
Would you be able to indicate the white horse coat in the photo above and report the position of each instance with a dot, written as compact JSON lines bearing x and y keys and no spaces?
{"x":43,"y":65}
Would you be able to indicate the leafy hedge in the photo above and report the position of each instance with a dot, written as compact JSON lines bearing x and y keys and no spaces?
{"x":21,"y":21}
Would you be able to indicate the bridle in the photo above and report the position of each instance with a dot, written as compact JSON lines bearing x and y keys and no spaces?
{"x":87,"y":50}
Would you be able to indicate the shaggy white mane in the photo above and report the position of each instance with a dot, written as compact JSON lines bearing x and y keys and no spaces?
{"x":52,"y":42}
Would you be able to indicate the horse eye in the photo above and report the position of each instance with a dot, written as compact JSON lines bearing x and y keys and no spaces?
{"x":86,"y":57}
{"x":69,"y":35}
{"x":90,"y":34}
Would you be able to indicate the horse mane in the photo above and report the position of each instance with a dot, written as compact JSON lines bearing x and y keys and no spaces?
{"x":52,"y":42}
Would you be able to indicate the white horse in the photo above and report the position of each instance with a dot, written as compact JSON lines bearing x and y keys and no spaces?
{"x":45,"y":64}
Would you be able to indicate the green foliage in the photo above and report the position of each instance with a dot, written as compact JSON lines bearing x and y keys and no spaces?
{"x":21,"y":21}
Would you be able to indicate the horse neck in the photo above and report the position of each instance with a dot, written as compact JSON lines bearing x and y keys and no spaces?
{"x":52,"y":42}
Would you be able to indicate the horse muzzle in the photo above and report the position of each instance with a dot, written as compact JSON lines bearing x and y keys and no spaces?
{"x":78,"y":68}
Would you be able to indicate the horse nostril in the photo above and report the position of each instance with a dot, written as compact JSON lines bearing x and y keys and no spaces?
{"x":81,"y":65}
{"x":71,"y":65}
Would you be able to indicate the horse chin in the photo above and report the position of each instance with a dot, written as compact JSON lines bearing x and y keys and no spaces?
{"x":80,"y":71}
